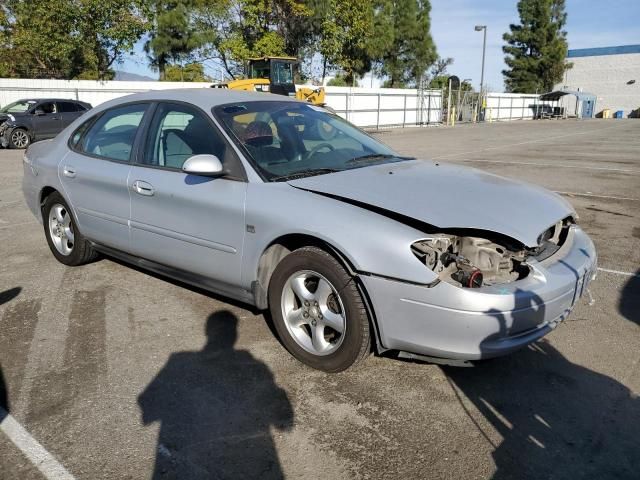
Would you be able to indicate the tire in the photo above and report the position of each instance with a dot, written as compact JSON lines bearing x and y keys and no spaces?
{"x":19,"y":139}
{"x":65,"y":240}
{"x":332,"y":299}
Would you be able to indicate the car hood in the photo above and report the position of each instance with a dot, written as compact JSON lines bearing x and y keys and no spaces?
{"x":4,"y":116}
{"x":448,"y":196}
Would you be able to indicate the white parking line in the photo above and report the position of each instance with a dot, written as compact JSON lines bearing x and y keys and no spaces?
{"x":29,"y":446}
{"x":618,"y":272}
{"x":587,"y":194}
{"x":559,"y":165}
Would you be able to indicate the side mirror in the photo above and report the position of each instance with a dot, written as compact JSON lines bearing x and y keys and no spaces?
{"x":204,"y":164}
{"x":39,"y":112}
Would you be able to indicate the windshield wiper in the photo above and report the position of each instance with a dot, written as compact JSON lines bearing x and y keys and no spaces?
{"x":304,"y":173}
{"x":376,"y":156}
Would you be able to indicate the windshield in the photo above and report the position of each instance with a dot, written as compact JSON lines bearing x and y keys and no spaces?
{"x":17,"y":107}
{"x":287,"y":140}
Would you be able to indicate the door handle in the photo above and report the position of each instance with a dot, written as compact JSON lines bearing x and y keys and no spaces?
{"x":143,"y":188}
{"x":69,"y":171}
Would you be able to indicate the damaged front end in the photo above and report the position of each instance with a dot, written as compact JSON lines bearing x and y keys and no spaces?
{"x":472,"y":261}
{"x":4,"y":131}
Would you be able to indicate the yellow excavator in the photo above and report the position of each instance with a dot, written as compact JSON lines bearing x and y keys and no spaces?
{"x":275,"y":75}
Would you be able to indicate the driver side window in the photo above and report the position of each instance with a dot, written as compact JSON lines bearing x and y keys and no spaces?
{"x":47,"y":107}
{"x":179,"y":131}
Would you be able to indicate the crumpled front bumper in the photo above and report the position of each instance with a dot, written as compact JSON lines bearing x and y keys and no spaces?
{"x":459,"y":323}
{"x":5,"y":131}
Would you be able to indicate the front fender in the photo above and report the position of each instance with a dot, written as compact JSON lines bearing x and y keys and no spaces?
{"x":372,"y":243}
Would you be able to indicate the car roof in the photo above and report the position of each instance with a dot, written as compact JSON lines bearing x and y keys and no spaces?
{"x":205,"y":98}
{"x":39,"y":100}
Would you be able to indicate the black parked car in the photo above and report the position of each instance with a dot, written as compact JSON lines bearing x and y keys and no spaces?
{"x":30,"y":120}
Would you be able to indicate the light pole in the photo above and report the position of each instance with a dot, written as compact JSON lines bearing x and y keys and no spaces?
{"x":479,"y":28}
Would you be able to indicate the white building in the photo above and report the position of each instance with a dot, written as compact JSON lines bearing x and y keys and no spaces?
{"x":610,"y":73}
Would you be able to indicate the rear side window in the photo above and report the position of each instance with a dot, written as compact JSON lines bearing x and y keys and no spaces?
{"x":113,"y":133}
{"x":77,"y":135}
{"x":67,"y":107}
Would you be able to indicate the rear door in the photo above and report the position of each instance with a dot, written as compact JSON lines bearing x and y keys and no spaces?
{"x":47,"y":122}
{"x":190,"y":222}
{"x":95,"y":173}
{"x":68,"y":111}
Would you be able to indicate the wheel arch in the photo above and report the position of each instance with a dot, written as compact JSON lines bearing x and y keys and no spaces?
{"x":280,"y":248}
{"x":285,"y":244}
{"x":26,"y":128}
{"x":45,"y":192}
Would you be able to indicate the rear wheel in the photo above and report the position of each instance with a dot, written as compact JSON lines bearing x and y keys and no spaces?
{"x":65,"y":241}
{"x":19,"y":138}
{"x":318,"y":311}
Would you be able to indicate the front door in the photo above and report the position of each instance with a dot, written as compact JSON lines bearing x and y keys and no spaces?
{"x":189,"y":222}
{"x":95,"y":173}
{"x":47,"y":121}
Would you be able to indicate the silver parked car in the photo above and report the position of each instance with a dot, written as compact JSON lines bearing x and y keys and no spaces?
{"x":285,"y":206}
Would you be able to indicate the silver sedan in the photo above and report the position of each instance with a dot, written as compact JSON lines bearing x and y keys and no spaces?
{"x":287,"y":207}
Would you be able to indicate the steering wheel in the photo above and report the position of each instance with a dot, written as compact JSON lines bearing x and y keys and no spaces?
{"x":316,"y":149}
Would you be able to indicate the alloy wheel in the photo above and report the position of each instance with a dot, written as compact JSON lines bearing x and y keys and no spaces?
{"x":313,"y":312}
{"x":20,"y":138}
{"x":61,"y":229}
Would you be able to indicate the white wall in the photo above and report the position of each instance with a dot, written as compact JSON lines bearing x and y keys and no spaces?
{"x":385,"y":106}
{"x":607,"y":77}
{"x":358,"y":105}
{"x":510,"y":106}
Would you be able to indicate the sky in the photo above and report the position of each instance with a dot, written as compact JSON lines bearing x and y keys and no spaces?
{"x":590,"y":23}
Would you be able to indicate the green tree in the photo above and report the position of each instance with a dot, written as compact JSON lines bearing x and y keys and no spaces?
{"x":108,"y":29}
{"x":236,"y":30}
{"x":5,"y":42}
{"x":68,"y":38}
{"x":344,"y":36}
{"x":406,"y":49}
{"x":338,"y":81}
{"x":42,"y":44}
{"x":191,"y":72}
{"x":174,"y":36}
{"x":536,"y":49}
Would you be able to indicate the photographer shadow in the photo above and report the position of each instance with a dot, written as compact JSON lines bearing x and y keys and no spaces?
{"x":216,"y":408}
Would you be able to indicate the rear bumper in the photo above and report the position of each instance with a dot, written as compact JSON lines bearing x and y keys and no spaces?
{"x":451,"y":322}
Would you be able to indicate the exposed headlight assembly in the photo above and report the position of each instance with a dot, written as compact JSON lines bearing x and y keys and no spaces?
{"x":471,"y":262}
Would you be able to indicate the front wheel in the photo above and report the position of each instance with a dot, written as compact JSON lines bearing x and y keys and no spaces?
{"x":318,"y":311}
{"x":19,"y":138}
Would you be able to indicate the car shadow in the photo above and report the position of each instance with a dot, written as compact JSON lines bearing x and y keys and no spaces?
{"x":557,"y":419}
{"x":4,"y":396}
{"x":5,"y":297}
{"x":629,"y":305}
{"x":216,"y":408}
{"x":215,"y":296}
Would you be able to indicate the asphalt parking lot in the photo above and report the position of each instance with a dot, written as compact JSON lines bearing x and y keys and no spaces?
{"x":117,"y":373}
